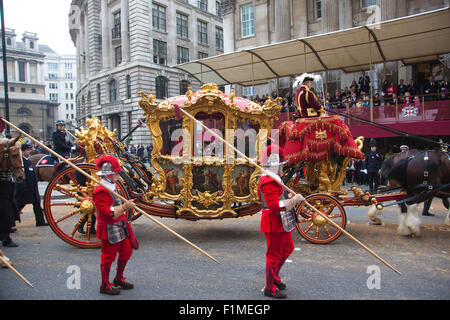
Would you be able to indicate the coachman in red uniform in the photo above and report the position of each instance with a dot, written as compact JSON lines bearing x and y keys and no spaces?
{"x":307,"y":103}
{"x":279,"y":242}
{"x":112,"y":226}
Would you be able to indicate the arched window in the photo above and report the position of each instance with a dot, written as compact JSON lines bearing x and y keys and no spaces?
{"x":8,"y":41}
{"x":31,"y":45}
{"x":112,"y":90}
{"x":184,"y":86}
{"x":24,"y":111}
{"x":128,"y":87}
{"x":25,"y":127}
{"x":162,"y":87}
{"x":99,"y":92}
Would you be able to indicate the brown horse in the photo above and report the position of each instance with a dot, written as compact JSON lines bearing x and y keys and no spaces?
{"x":11,"y":163}
{"x":43,"y":172}
{"x":417,"y":172}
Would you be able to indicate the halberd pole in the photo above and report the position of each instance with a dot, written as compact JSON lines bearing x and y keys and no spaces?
{"x":2,"y":259}
{"x":112,"y":191}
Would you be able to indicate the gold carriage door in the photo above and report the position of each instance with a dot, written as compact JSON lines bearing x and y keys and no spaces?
{"x":210,"y":176}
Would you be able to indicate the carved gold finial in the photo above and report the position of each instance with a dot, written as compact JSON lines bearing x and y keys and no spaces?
{"x":151,"y":97}
{"x":189,"y":94}
{"x":232,"y":96}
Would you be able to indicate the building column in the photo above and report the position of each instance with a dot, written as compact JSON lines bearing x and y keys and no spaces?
{"x":388,"y":9}
{"x":301,"y":18}
{"x":330,"y":15}
{"x":228,"y":9}
{"x":17,"y":69}
{"x":140,"y":13}
{"x":106,"y":36}
{"x":124,"y":31}
{"x":28,"y":74}
{"x":345,"y":14}
{"x":282,"y":21}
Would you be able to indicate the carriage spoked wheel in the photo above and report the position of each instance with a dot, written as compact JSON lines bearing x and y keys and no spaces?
{"x":315,"y":228}
{"x":68,"y":202}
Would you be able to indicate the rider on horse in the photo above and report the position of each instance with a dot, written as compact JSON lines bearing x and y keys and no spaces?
{"x":307,"y":103}
{"x":61,"y":141}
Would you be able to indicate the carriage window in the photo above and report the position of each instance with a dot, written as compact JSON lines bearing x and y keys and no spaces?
{"x":205,"y":143}
{"x":245,"y":138}
{"x":172,"y":136}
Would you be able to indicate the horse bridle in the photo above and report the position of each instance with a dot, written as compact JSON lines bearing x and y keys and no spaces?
{"x":5,"y":158}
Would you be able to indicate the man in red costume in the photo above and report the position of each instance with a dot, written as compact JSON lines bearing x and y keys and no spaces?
{"x":279,"y":242}
{"x":307,"y":104}
{"x":112,"y":226}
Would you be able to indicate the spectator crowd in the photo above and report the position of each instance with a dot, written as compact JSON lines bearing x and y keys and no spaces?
{"x":358,"y":94}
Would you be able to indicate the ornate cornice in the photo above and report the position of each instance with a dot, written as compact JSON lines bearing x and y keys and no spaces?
{"x":228,"y":6}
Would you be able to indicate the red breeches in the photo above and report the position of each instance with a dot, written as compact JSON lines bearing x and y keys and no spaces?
{"x":279,"y":247}
{"x":109,"y":251}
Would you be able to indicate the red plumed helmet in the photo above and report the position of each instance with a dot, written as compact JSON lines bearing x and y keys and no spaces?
{"x":273,"y":156}
{"x":107,"y":165}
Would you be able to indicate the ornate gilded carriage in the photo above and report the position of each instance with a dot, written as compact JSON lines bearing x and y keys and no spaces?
{"x":196,"y":174}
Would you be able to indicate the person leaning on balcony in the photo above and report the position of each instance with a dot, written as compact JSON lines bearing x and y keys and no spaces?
{"x":364,"y":82}
{"x":402,"y":87}
{"x":430,"y":89}
{"x":444,"y":89}
{"x":412,"y":88}
{"x":377,"y":100}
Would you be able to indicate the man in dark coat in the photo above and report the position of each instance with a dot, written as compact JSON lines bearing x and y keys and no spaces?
{"x":61,"y":141}
{"x":8,"y":212}
{"x":27,"y":192}
{"x":374,"y":160}
{"x":430,"y":89}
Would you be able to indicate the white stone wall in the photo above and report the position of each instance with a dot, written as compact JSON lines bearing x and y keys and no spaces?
{"x":95,"y":55}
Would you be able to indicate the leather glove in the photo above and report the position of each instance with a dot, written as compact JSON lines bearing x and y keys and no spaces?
{"x":120,"y":210}
{"x":129,"y":204}
{"x":290,"y":203}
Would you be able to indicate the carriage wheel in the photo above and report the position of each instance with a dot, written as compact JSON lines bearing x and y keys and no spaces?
{"x":312,"y":226}
{"x":68,"y":201}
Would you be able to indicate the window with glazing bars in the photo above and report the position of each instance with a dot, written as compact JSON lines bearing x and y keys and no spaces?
{"x":182,"y":25}
{"x":202,"y":28}
{"x":159,"y":52}
{"x":159,"y":17}
{"x":182,"y":55}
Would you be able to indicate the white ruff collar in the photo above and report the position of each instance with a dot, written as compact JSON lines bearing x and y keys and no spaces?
{"x":109,"y":185}
{"x":272,"y":175}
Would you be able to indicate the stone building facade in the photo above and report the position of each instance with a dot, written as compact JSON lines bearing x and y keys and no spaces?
{"x":252,"y":23}
{"x":125,"y":46}
{"x":29,"y":108}
{"x":60,"y":77}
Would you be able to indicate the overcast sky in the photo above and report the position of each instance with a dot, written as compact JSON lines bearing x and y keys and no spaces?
{"x":48,"y":18}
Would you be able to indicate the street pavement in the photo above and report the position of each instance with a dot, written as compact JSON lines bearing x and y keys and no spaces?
{"x":165,"y":268}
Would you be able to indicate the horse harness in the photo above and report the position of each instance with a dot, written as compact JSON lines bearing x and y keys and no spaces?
{"x":6,"y":175}
{"x":426,"y":174}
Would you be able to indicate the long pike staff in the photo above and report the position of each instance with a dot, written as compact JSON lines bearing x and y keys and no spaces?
{"x":6,"y":263}
{"x":110,"y":190}
{"x":178,"y":109}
